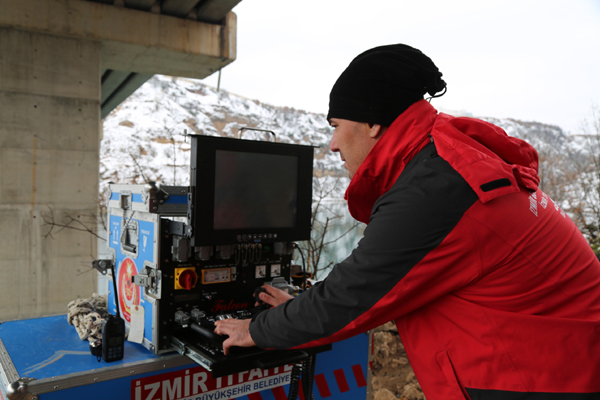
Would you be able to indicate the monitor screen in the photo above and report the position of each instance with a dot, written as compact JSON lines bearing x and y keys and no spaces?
{"x":246,"y":191}
{"x":255,"y":190}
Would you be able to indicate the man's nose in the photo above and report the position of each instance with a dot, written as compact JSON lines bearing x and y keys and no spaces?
{"x":333,"y":144}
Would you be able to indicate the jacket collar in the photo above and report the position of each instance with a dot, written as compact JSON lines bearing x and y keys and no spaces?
{"x":489,"y":160}
{"x":379,"y":171}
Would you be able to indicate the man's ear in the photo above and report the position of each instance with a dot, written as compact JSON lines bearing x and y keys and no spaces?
{"x":376,"y":131}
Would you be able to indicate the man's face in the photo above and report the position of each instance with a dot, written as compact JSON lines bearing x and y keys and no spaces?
{"x":353,"y":140}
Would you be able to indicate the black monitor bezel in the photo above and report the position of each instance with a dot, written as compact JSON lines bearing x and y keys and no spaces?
{"x":202,"y":183}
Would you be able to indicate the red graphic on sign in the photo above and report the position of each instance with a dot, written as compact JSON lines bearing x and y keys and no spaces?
{"x":129,"y":294}
{"x":342,"y":382}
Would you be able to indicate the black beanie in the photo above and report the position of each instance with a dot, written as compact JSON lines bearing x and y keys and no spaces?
{"x":381,"y":83}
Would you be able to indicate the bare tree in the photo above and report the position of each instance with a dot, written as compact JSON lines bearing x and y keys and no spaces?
{"x":557,"y":173}
{"x":169,"y":129}
{"x":584,"y":189}
{"x":88,"y":223}
{"x":324,"y":219}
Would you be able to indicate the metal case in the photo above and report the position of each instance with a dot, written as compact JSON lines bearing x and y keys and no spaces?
{"x":134,"y":223}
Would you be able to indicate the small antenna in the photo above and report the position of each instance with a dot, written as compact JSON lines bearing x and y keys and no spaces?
{"x":114,"y":279}
{"x":101,"y":266}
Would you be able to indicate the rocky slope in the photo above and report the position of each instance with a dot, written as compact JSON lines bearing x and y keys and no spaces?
{"x":393,"y":377}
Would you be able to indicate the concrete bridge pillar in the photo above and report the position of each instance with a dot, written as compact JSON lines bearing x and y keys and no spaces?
{"x":49,"y":146}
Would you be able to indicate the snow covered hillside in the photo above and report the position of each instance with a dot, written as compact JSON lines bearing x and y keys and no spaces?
{"x":144,"y":137}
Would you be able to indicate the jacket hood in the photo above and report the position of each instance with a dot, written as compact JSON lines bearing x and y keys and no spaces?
{"x":492,"y":163}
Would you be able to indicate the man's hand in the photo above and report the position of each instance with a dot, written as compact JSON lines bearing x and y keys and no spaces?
{"x":273,"y":296}
{"x":238,"y":331}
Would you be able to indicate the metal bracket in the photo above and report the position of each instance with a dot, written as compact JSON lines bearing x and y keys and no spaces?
{"x":182,"y":349}
{"x":178,"y":346}
{"x":125,"y":200}
{"x":141,"y":279}
{"x":150,"y":280}
{"x":130,"y":236}
{"x":182,"y":318}
{"x":190,"y":211}
{"x":18,"y":390}
{"x":245,"y":128}
{"x":181,"y":249}
{"x":102,"y":266}
{"x":162,"y":196}
{"x":8,"y":372}
{"x":154,"y":196}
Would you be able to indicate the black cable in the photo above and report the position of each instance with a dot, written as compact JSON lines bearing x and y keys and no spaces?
{"x":295,"y":381}
{"x":306,"y":369}
{"x":258,"y":252}
{"x":237,"y":254}
{"x":308,"y":376}
{"x":303,"y":264}
{"x":251,"y":253}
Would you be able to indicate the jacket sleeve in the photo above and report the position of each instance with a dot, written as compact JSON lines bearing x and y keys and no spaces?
{"x":416,"y":248}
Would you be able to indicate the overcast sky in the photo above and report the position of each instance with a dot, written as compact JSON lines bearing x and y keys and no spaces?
{"x":533,"y":60}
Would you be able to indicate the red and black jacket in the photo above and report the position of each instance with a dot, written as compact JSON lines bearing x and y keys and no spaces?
{"x":495,"y":292}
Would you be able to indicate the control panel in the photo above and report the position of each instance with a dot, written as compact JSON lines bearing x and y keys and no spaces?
{"x":213,"y":283}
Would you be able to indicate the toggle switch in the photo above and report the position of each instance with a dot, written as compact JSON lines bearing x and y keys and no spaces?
{"x":185,"y":278}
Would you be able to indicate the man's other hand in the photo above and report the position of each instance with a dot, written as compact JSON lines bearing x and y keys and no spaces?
{"x":273,"y":296}
{"x":238,"y":331}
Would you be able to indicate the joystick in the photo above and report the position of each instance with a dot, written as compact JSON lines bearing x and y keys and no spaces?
{"x":257,"y":293}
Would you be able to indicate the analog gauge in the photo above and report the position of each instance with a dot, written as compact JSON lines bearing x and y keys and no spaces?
{"x":216,"y":275}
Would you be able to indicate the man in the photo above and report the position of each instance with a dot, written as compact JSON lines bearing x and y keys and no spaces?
{"x":495,"y":292}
